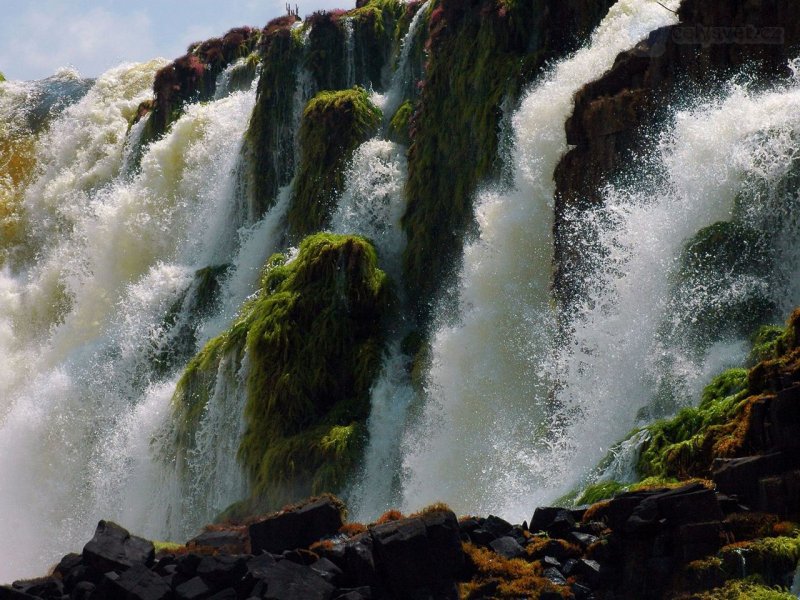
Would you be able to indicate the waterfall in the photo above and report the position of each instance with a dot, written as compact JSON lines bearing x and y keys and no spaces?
{"x":349,"y":52}
{"x":86,"y":384}
{"x":401,"y":77}
{"x":482,"y":439}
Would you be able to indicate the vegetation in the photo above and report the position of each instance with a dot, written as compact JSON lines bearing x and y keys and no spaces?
{"x":334,"y":124}
{"x":314,"y":342}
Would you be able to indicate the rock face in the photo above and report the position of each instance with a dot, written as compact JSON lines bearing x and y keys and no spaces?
{"x":612,"y":114}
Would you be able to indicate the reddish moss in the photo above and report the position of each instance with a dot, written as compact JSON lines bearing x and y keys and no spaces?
{"x":388,"y":516}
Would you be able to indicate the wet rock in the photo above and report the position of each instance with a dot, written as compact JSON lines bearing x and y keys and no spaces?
{"x":296,"y":528}
{"x":226,"y":538}
{"x":194,"y":589}
{"x":45,"y":587}
{"x":137,"y":583}
{"x":555,"y":576}
{"x":327,"y":570}
{"x":507,"y":547}
{"x":740,"y":476}
{"x":418,"y":552}
{"x":290,"y":581}
{"x":114,"y":549}
{"x":221,"y":570}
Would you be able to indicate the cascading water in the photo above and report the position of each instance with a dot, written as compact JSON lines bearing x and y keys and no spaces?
{"x":482,"y":440}
{"x":83,"y":327}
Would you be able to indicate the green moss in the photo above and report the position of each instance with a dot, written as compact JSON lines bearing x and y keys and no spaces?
{"x":2,"y":77}
{"x":771,"y":558}
{"x":334,"y":124}
{"x":269,"y":140}
{"x":375,"y":27}
{"x":480,"y":55}
{"x":314,"y":341}
{"x":167,"y":547}
{"x":599,"y":491}
{"x":675,"y":446}
{"x":399,"y":125}
{"x":769,"y":342}
{"x":749,"y":589}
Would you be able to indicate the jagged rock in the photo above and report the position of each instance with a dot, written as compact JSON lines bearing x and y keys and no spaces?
{"x":327,"y":570}
{"x":83,"y":591}
{"x":194,"y":589}
{"x":45,"y":587}
{"x":136,"y":583}
{"x":508,"y":547}
{"x":296,"y":528}
{"x":222,"y":570}
{"x":114,"y":549}
{"x":290,"y":581}
{"x":418,"y":552}
{"x":361,"y":593}
{"x":230,"y":538}
{"x":226,"y":594}
{"x":555,"y":576}
{"x":740,"y":476}
{"x":9,"y":593}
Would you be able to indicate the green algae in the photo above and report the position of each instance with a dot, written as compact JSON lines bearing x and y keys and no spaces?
{"x":314,"y":340}
{"x":334,"y":124}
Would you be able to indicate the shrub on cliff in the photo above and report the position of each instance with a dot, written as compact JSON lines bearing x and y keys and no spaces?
{"x":313,"y":339}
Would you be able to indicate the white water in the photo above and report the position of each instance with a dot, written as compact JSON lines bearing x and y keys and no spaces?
{"x":516,"y":417}
{"x":483,"y":440}
{"x":80,"y":402}
{"x":401,"y":77}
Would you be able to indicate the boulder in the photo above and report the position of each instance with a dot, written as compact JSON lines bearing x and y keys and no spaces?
{"x":418,"y":552}
{"x":296,"y":528}
{"x":136,"y":583}
{"x":290,"y":581}
{"x":114,"y":549}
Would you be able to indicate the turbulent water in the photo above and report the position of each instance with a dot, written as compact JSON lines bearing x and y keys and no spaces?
{"x":106,"y":243}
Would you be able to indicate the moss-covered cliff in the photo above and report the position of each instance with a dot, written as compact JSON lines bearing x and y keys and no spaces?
{"x":313,"y":337}
{"x":480,"y":54}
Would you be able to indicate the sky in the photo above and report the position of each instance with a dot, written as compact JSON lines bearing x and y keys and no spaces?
{"x":37,"y":37}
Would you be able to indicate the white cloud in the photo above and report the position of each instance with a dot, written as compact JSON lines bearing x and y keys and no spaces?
{"x":47,"y":36}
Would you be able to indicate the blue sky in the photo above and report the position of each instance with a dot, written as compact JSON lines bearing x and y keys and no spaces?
{"x":39,"y":36}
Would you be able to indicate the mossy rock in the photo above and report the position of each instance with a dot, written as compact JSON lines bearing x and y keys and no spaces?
{"x":677,"y":447}
{"x":721,"y":290}
{"x":400,"y":123}
{"x":193,"y":76}
{"x":314,"y":340}
{"x":480,"y":56}
{"x":743,"y":589}
{"x":334,"y":124}
{"x":376,"y":26}
{"x":270,"y":137}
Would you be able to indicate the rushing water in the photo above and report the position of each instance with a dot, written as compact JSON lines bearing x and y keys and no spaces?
{"x":101,"y":303}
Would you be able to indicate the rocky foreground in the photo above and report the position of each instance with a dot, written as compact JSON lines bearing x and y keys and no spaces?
{"x":670,"y":543}
{"x":717,"y":521}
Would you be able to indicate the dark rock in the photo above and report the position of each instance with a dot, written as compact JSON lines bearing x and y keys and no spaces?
{"x":555,"y":576}
{"x":296,"y":528}
{"x":359,"y":563}
{"x":701,"y":539}
{"x":290,"y":581}
{"x":582,"y":539}
{"x":187,"y":564}
{"x":740,"y":476}
{"x":9,"y":593}
{"x":226,"y":594}
{"x":581,"y":592}
{"x":588,"y":571}
{"x":549,"y":561}
{"x":137,"y":583}
{"x":66,"y":564}
{"x":418,"y":552}
{"x":45,"y":587}
{"x":222,"y":570}
{"x":497,"y":526}
{"x":543,"y":517}
{"x":259,"y":565}
{"x":482,"y":537}
{"x":226,"y":538}
{"x":327,"y":570}
{"x":360,"y":593}
{"x":562,"y":525}
{"x":83,"y":590}
{"x":194,"y":589}
{"x":114,"y":549}
{"x":507,"y":547}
